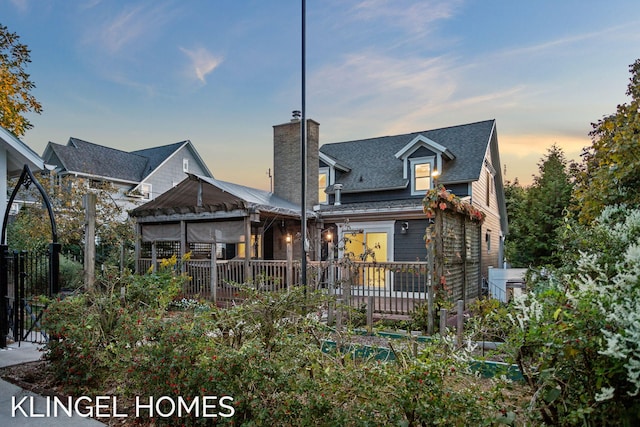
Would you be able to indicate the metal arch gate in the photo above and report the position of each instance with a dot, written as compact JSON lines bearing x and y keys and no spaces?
{"x":25,"y":277}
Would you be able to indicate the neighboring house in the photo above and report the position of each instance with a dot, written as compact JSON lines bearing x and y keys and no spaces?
{"x":14,"y":155}
{"x":138,"y":176}
{"x":376,"y":186}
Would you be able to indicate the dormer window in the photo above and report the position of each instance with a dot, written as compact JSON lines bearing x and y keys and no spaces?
{"x":421,"y":159}
{"x":422,"y":174}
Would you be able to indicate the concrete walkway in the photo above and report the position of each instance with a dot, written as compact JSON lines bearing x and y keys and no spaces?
{"x":12,"y":411}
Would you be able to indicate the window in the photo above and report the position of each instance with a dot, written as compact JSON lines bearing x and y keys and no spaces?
{"x":323,"y":182}
{"x":489,"y":191}
{"x":421,"y":175}
{"x":185,"y":165}
{"x":145,"y":189}
{"x":487,"y":238}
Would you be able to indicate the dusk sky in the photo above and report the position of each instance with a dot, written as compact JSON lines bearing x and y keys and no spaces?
{"x":136,"y":74}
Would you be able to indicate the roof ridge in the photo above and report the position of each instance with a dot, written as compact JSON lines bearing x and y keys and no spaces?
{"x":102,"y":147}
{"x":162,"y":146}
{"x":410,"y":133}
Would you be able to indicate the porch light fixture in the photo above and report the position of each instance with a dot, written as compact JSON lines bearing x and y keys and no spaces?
{"x":288,"y":238}
{"x":329,"y":237}
{"x":434,"y":176}
{"x":405,"y":227}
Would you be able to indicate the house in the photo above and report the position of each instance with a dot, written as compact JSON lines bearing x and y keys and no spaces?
{"x":376,"y":186}
{"x":14,"y":154}
{"x":367,"y":194}
{"x":138,"y":176}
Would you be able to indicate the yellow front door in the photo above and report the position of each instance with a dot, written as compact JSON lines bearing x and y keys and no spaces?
{"x":368,"y":247}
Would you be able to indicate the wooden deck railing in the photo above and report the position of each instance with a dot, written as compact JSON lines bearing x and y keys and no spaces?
{"x":396,"y":287}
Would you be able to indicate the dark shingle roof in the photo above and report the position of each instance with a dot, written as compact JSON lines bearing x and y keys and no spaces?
{"x":157,"y":155}
{"x":374,"y":166}
{"x":93,"y":159}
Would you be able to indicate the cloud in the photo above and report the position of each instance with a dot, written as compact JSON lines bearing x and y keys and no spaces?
{"x":202,"y":63}
{"x":21,"y":5}
{"x":413,"y":16}
{"x":131,"y":25}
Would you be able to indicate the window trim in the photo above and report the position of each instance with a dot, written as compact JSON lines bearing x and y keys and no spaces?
{"x":324,"y":171}
{"x":413,"y":162}
{"x":148,"y":194}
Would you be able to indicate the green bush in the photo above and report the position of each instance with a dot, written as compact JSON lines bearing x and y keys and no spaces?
{"x":267,"y":354}
{"x":576,"y":336}
{"x":71,"y":273}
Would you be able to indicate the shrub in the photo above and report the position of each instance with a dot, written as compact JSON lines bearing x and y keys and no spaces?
{"x":576,"y":336}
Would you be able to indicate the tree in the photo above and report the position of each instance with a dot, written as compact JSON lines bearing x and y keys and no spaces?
{"x":610,"y":172}
{"x":15,"y":86}
{"x":31,"y":229}
{"x":536,"y":213}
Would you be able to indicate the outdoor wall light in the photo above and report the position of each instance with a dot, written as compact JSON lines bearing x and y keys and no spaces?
{"x":288,"y":238}
{"x":405,"y":227}
{"x":329,"y":237}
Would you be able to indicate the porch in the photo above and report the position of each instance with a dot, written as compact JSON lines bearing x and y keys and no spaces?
{"x":393,"y":288}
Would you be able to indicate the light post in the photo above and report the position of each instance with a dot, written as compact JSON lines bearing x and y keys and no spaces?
{"x":288,"y":240}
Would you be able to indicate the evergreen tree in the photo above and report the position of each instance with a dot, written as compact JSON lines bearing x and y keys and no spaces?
{"x":536,"y":213}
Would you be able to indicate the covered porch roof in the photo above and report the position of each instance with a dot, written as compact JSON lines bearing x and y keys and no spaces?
{"x":199,"y":196}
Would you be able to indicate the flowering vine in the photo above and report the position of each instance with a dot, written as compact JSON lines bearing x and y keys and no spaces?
{"x":441,"y":199}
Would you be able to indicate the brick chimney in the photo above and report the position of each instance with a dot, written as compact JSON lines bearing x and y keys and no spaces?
{"x":287,"y":161}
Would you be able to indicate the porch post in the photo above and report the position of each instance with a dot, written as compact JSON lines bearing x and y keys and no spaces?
{"x":214,"y":273}
{"x":183,"y":244}
{"x":248,"y":276}
{"x":289,"y":263}
{"x":154,"y":257}
{"x":137,"y":246}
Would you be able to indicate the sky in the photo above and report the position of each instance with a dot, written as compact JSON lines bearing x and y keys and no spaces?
{"x":141,"y":73}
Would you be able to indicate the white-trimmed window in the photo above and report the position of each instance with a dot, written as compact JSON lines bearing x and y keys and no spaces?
{"x":145,"y":190}
{"x":421,"y":174}
{"x":323,"y":183}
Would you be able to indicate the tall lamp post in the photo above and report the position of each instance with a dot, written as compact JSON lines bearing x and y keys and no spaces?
{"x":303,"y":154}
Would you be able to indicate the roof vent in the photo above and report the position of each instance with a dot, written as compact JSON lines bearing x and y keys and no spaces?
{"x":338,"y":194}
{"x":296,"y":115}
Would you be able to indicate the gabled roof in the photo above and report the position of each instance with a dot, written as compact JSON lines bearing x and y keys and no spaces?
{"x":18,"y":154}
{"x":203,"y":194}
{"x":86,"y":158}
{"x":374,"y":164}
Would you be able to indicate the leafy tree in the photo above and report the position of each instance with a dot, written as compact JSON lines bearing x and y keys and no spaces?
{"x":15,"y":86}
{"x":611,"y":165}
{"x":536,"y":213}
{"x":31,"y":228}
